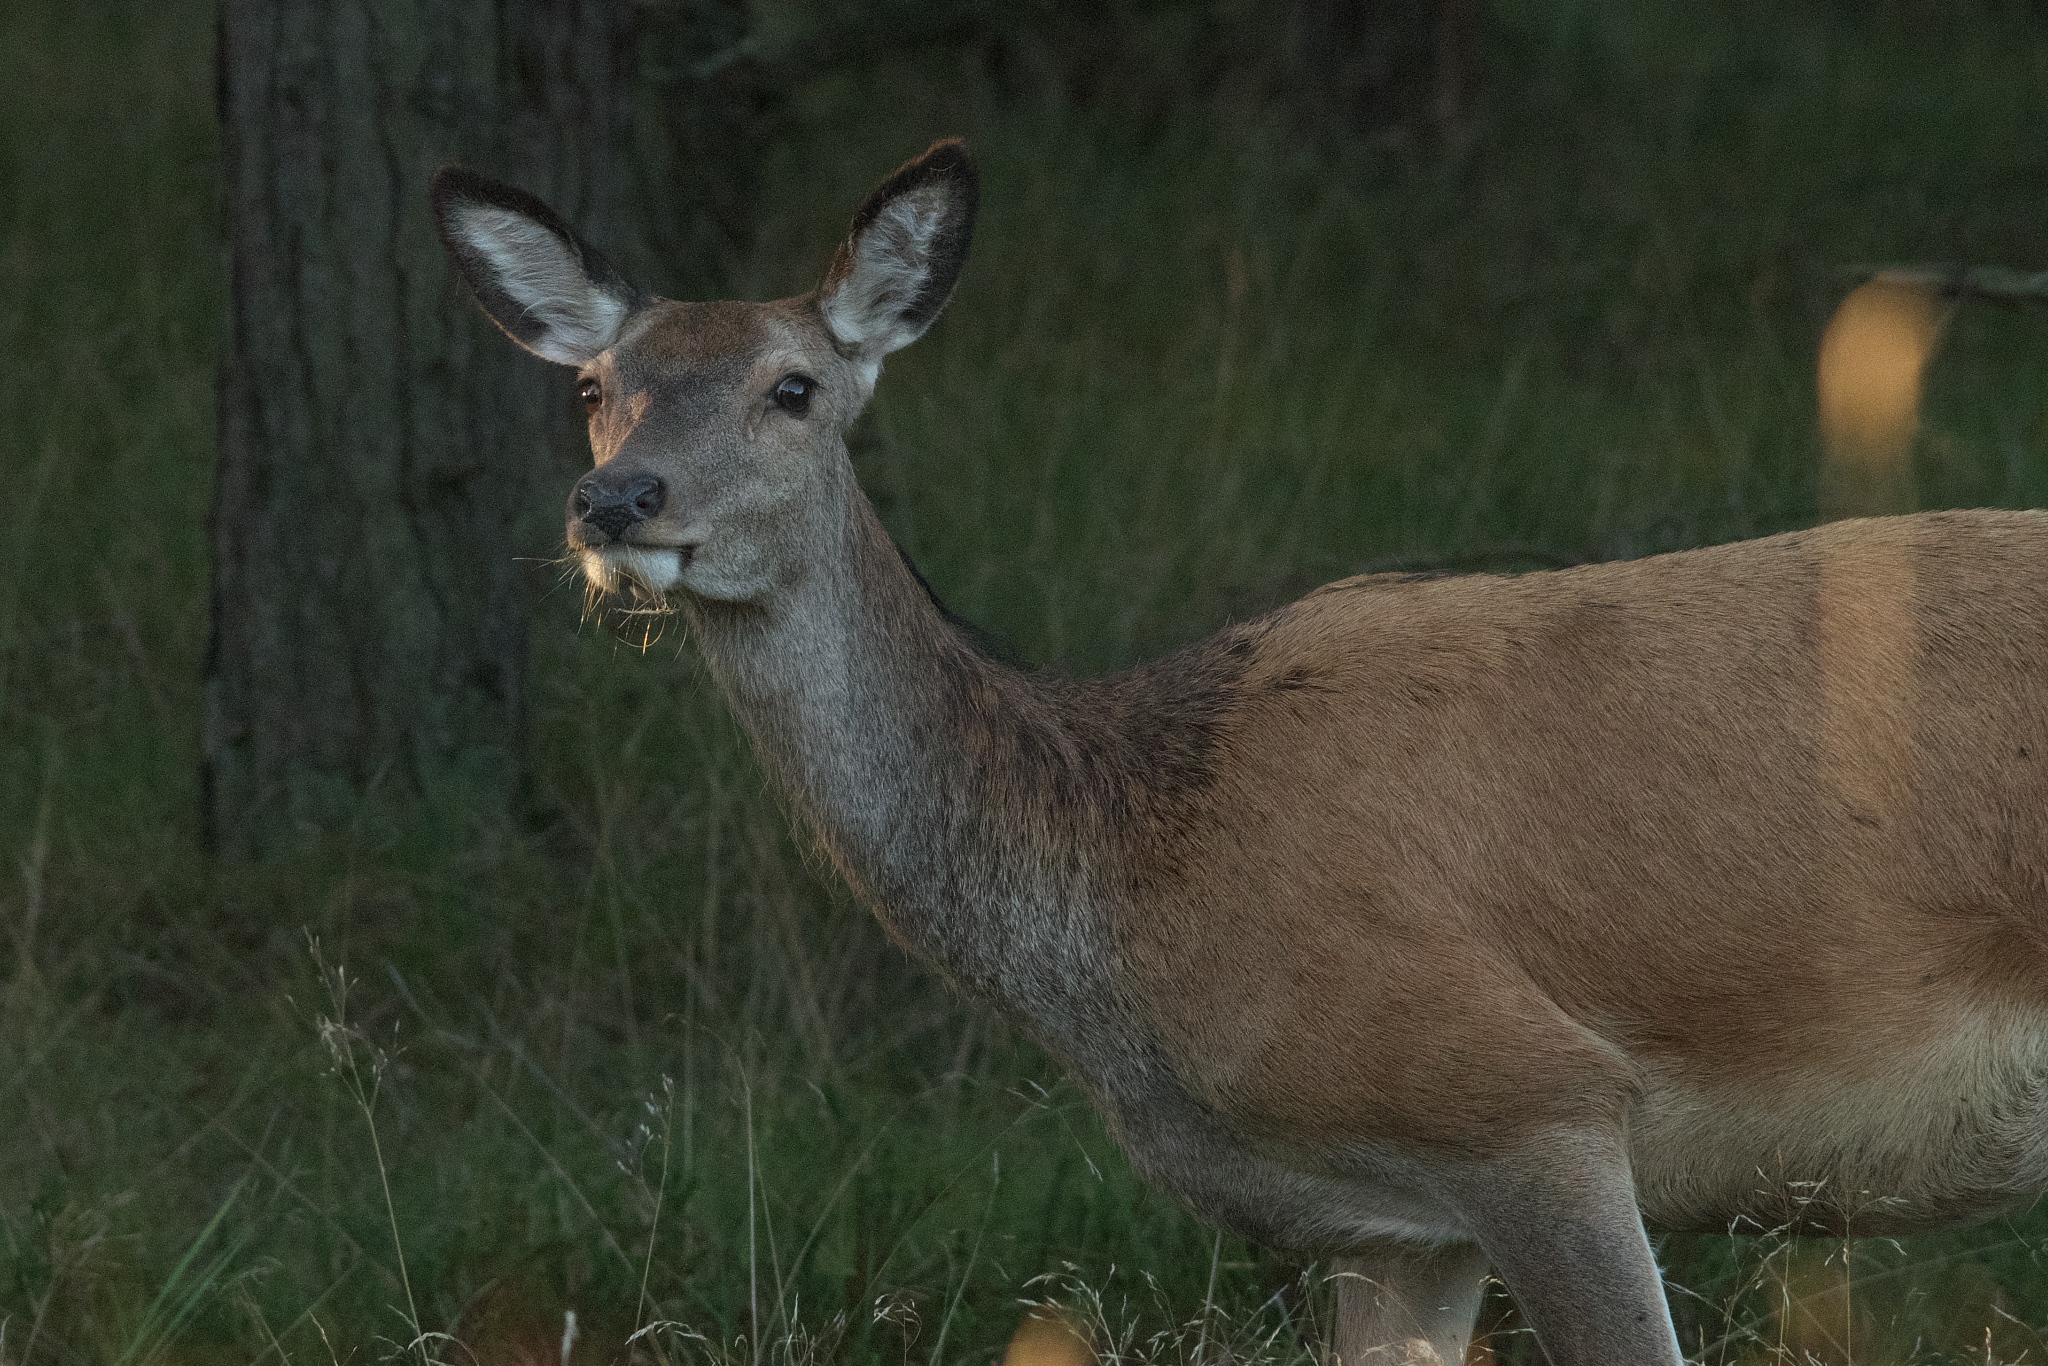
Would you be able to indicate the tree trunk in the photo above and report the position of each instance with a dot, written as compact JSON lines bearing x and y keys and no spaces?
{"x":379,"y":477}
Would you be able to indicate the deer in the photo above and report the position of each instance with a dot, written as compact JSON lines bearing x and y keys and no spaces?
{"x":1449,"y":927}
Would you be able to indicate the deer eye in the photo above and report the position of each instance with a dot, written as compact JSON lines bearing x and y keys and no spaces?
{"x":793,"y":394}
{"x":591,"y":392}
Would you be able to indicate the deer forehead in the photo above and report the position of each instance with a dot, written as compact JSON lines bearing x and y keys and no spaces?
{"x":699,"y":355}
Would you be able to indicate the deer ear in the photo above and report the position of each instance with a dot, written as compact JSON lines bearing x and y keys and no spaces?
{"x":898,"y":266}
{"x":549,"y":289}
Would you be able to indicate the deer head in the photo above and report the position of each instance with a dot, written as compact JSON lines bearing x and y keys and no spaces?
{"x":718,"y":428}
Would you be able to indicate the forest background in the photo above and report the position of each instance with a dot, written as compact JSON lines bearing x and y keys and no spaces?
{"x":422,"y":1065}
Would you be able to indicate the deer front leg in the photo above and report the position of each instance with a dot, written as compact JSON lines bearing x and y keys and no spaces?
{"x":1407,"y":1306}
{"x":1560,"y":1224}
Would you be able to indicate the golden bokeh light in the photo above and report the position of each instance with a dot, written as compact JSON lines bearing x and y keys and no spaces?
{"x":1049,"y":1337}
{"x":1872,"y":360}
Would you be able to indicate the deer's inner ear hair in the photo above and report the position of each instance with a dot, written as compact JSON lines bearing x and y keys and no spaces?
{"x":793,"y":394}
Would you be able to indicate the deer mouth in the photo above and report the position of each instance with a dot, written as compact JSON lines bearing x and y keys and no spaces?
{"x":655,"y":568}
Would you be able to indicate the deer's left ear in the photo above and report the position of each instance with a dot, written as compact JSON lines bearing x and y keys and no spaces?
{"x":898,"y":266}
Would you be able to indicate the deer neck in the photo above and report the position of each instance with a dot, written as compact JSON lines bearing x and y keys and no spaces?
{"x":920,"y":764}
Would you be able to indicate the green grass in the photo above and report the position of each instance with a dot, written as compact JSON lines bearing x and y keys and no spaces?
{"x":1196,"y":365}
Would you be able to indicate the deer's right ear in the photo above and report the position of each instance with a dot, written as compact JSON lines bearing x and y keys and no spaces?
{"x":549,"y":289}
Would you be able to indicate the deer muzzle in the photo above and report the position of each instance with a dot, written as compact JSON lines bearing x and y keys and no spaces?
{"x":606,"y":504}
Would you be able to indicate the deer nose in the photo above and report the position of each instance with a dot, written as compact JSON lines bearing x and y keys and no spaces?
{"x":609,"y":503}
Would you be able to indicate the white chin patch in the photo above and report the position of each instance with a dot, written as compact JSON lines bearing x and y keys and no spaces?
{"x":653,"y":569}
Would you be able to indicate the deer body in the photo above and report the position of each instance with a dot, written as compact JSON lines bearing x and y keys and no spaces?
{"x":1437,"y":924}
{"x":1530,"y":889}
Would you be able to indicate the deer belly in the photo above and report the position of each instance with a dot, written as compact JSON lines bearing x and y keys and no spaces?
{"x":1950,"y":1136}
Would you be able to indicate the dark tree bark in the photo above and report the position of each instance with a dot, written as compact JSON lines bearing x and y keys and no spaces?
{"x":378,"y":477}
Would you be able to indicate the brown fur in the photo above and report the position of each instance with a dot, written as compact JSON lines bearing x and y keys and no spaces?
{"x":1593,"y":799}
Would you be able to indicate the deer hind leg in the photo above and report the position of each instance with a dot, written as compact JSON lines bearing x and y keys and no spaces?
{"x":1401,"y":1305}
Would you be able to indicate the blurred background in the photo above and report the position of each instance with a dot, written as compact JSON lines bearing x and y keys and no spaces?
{"x":392,"y":949}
